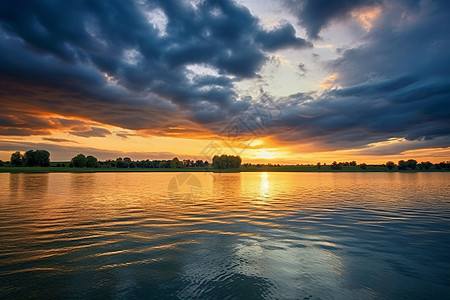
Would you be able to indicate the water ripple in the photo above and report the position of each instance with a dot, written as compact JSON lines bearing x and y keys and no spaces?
{"x":249,"y":236}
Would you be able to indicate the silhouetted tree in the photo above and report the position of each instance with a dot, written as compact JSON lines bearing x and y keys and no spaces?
{"x":91,"y":161}
{"x":390,"y":165}
{"x":318,"y":165}
{"x":401,"y":165}
{"x":427,"y":165}
{"x":122,"y":163}
{"x":16,"y":158}
{"x":79,"y":161}
{"x":43,"y":158}
{"x":411,"y":163}
{"x":40,"y":158}
{"x":363,"y":166}
{"x":336,"y":166}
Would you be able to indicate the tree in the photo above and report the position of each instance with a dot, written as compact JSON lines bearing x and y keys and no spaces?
{"x":29,"y":159}
{"x":390,"y":165}
{"x":363,"y":166}
{"x":176,"y":163}
{"x":40,"y":158}
{"x":226,"y":162}
{"x":16,"y":158}
{"x":411,"y":163}
{"x":401,"y":165}
{"x":79,"y":161}
{"x":318,"y":165}
{"x":122,"y":163}
{"x":336,"y":166}
{"x":91,"y":161}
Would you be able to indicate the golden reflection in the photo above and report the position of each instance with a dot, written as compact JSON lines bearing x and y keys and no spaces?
{"x":14,"y":185}
{"x":227,"y":186}
{"x":34,"y":186}
{"x":264,"y":185}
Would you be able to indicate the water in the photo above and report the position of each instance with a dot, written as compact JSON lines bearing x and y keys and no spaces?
{"x":225,"y":236}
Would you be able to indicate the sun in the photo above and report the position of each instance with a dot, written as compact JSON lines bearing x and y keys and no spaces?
{"x":265,"y":154}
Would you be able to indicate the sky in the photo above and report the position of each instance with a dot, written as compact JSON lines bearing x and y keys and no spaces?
{"x":287,"y":81}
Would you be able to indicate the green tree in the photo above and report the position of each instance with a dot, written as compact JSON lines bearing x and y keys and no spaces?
{"x":29,"y":159}
{"x":91,"y":161}
{"x":226,"y":162}
{"x":40,"y":158}
{"x":176,"y":163}
{"x":16,"y":158}
{"x":79,"y":161}
{"x":363,"y":166}
{"x":390,"y":165}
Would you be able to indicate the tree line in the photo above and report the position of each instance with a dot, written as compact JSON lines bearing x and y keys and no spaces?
{"x":41,"y":158}
{"x":81,"y":161}
{"x":402,"y":165}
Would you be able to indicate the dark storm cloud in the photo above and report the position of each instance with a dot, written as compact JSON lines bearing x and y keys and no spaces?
{"x":395,"y":85}
{"x":315,"y":15}
{"x":282,"y":37}
{"x":133,"y":56}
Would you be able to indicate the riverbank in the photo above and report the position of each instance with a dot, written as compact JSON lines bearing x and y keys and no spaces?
{"x":242,"y":169}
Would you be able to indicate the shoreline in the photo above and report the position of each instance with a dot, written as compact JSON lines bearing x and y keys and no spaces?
{"x":289,"y":169}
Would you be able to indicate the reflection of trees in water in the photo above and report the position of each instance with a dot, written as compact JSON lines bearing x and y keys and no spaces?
{"x":34,"y":186}
{"x":82,"y":183}
{"x":227,"y":185}
{"x":14,"y":181}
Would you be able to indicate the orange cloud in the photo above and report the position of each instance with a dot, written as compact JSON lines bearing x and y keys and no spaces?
{"x":328,"y":82}
{"x":367,"y":16}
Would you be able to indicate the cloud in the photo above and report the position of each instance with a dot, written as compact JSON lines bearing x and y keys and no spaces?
{"x":315,"y":15}
{"x":22,"y":132}
{"x":64,"y":153}
{"x":92,"y":132}
{"x":82,"y":52}
{"x":282,"y":37}
{"x":394,"y":85}
{"x":58,"y":140}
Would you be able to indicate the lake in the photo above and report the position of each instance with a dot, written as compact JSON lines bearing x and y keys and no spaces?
{"x":225,"y":236}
